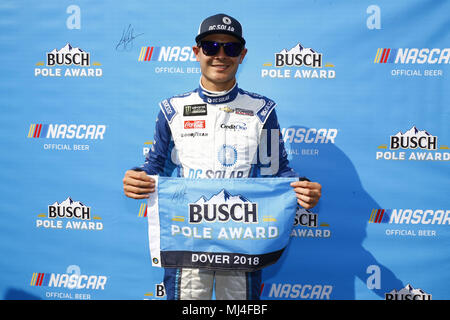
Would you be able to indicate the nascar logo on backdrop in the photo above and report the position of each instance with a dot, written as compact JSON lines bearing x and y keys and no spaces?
{"x":305,"y":137}
{"x":72,"y":285}
{"x":170,"y":54}
{"x":296,"y":291}
{"x":413,"y":57}
{"x":432,"y":219}
{"x":66,"y":131}
{"x":142,"y":210}
{"x":307,"y":62}
{"x":76,"y":60}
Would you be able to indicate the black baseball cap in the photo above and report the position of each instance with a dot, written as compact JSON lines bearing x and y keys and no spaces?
{"x":220,"y":23}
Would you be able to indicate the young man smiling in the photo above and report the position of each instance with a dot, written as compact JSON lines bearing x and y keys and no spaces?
{"x":200,"y":127}
{"x":219,"y":70}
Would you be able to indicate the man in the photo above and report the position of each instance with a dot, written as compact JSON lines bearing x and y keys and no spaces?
{"x":217,"y":131}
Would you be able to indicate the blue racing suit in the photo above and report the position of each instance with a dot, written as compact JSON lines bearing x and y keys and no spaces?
{"x":203,"y":134}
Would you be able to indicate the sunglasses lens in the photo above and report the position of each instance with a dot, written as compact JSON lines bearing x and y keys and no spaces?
{"x":211,"y":48}
{"x":232,"y":49}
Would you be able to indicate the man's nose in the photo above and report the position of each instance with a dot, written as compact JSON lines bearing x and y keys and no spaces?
{"x":221,"y":53}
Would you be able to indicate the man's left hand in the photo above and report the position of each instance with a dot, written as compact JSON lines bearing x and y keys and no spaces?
{"x":308,"y":193}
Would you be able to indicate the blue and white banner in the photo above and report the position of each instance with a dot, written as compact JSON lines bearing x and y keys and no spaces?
{"x":238,"y":224}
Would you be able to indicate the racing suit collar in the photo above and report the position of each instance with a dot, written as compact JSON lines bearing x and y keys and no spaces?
{"x":218,"y":97}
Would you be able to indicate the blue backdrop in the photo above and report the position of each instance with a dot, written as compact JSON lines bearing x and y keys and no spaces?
{"x":368,"y":120}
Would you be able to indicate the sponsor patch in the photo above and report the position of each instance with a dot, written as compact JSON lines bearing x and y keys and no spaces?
{"x":195,"y":110}
{"x":245,"y":112}
{"x":195,"y":124}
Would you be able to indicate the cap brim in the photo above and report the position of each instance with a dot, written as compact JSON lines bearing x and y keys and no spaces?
{"x":204,"y":34}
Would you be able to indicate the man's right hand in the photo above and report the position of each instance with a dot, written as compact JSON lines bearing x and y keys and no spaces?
{"x":137,"y":184}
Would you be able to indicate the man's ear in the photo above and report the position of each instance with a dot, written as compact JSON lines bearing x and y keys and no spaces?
{"x":196,"y":51}
{"x":243,"y":53}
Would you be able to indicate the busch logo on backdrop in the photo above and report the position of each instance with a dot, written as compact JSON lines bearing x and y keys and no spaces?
{"x":69,"y":215}
{"x":68,"y":56}
{"x":414,"y":144}
{"x":77,"y":61}
{"x":408,"y":293}
{"x":298,"y":56}
{"x":69,"y":209}
{"x":308,"y":63}
{"x":413,"y":139}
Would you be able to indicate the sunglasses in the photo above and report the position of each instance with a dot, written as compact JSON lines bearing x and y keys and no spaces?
{"x":211,"y":48}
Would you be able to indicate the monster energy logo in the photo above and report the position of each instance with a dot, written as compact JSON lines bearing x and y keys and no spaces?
{"x":195,"y":110}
